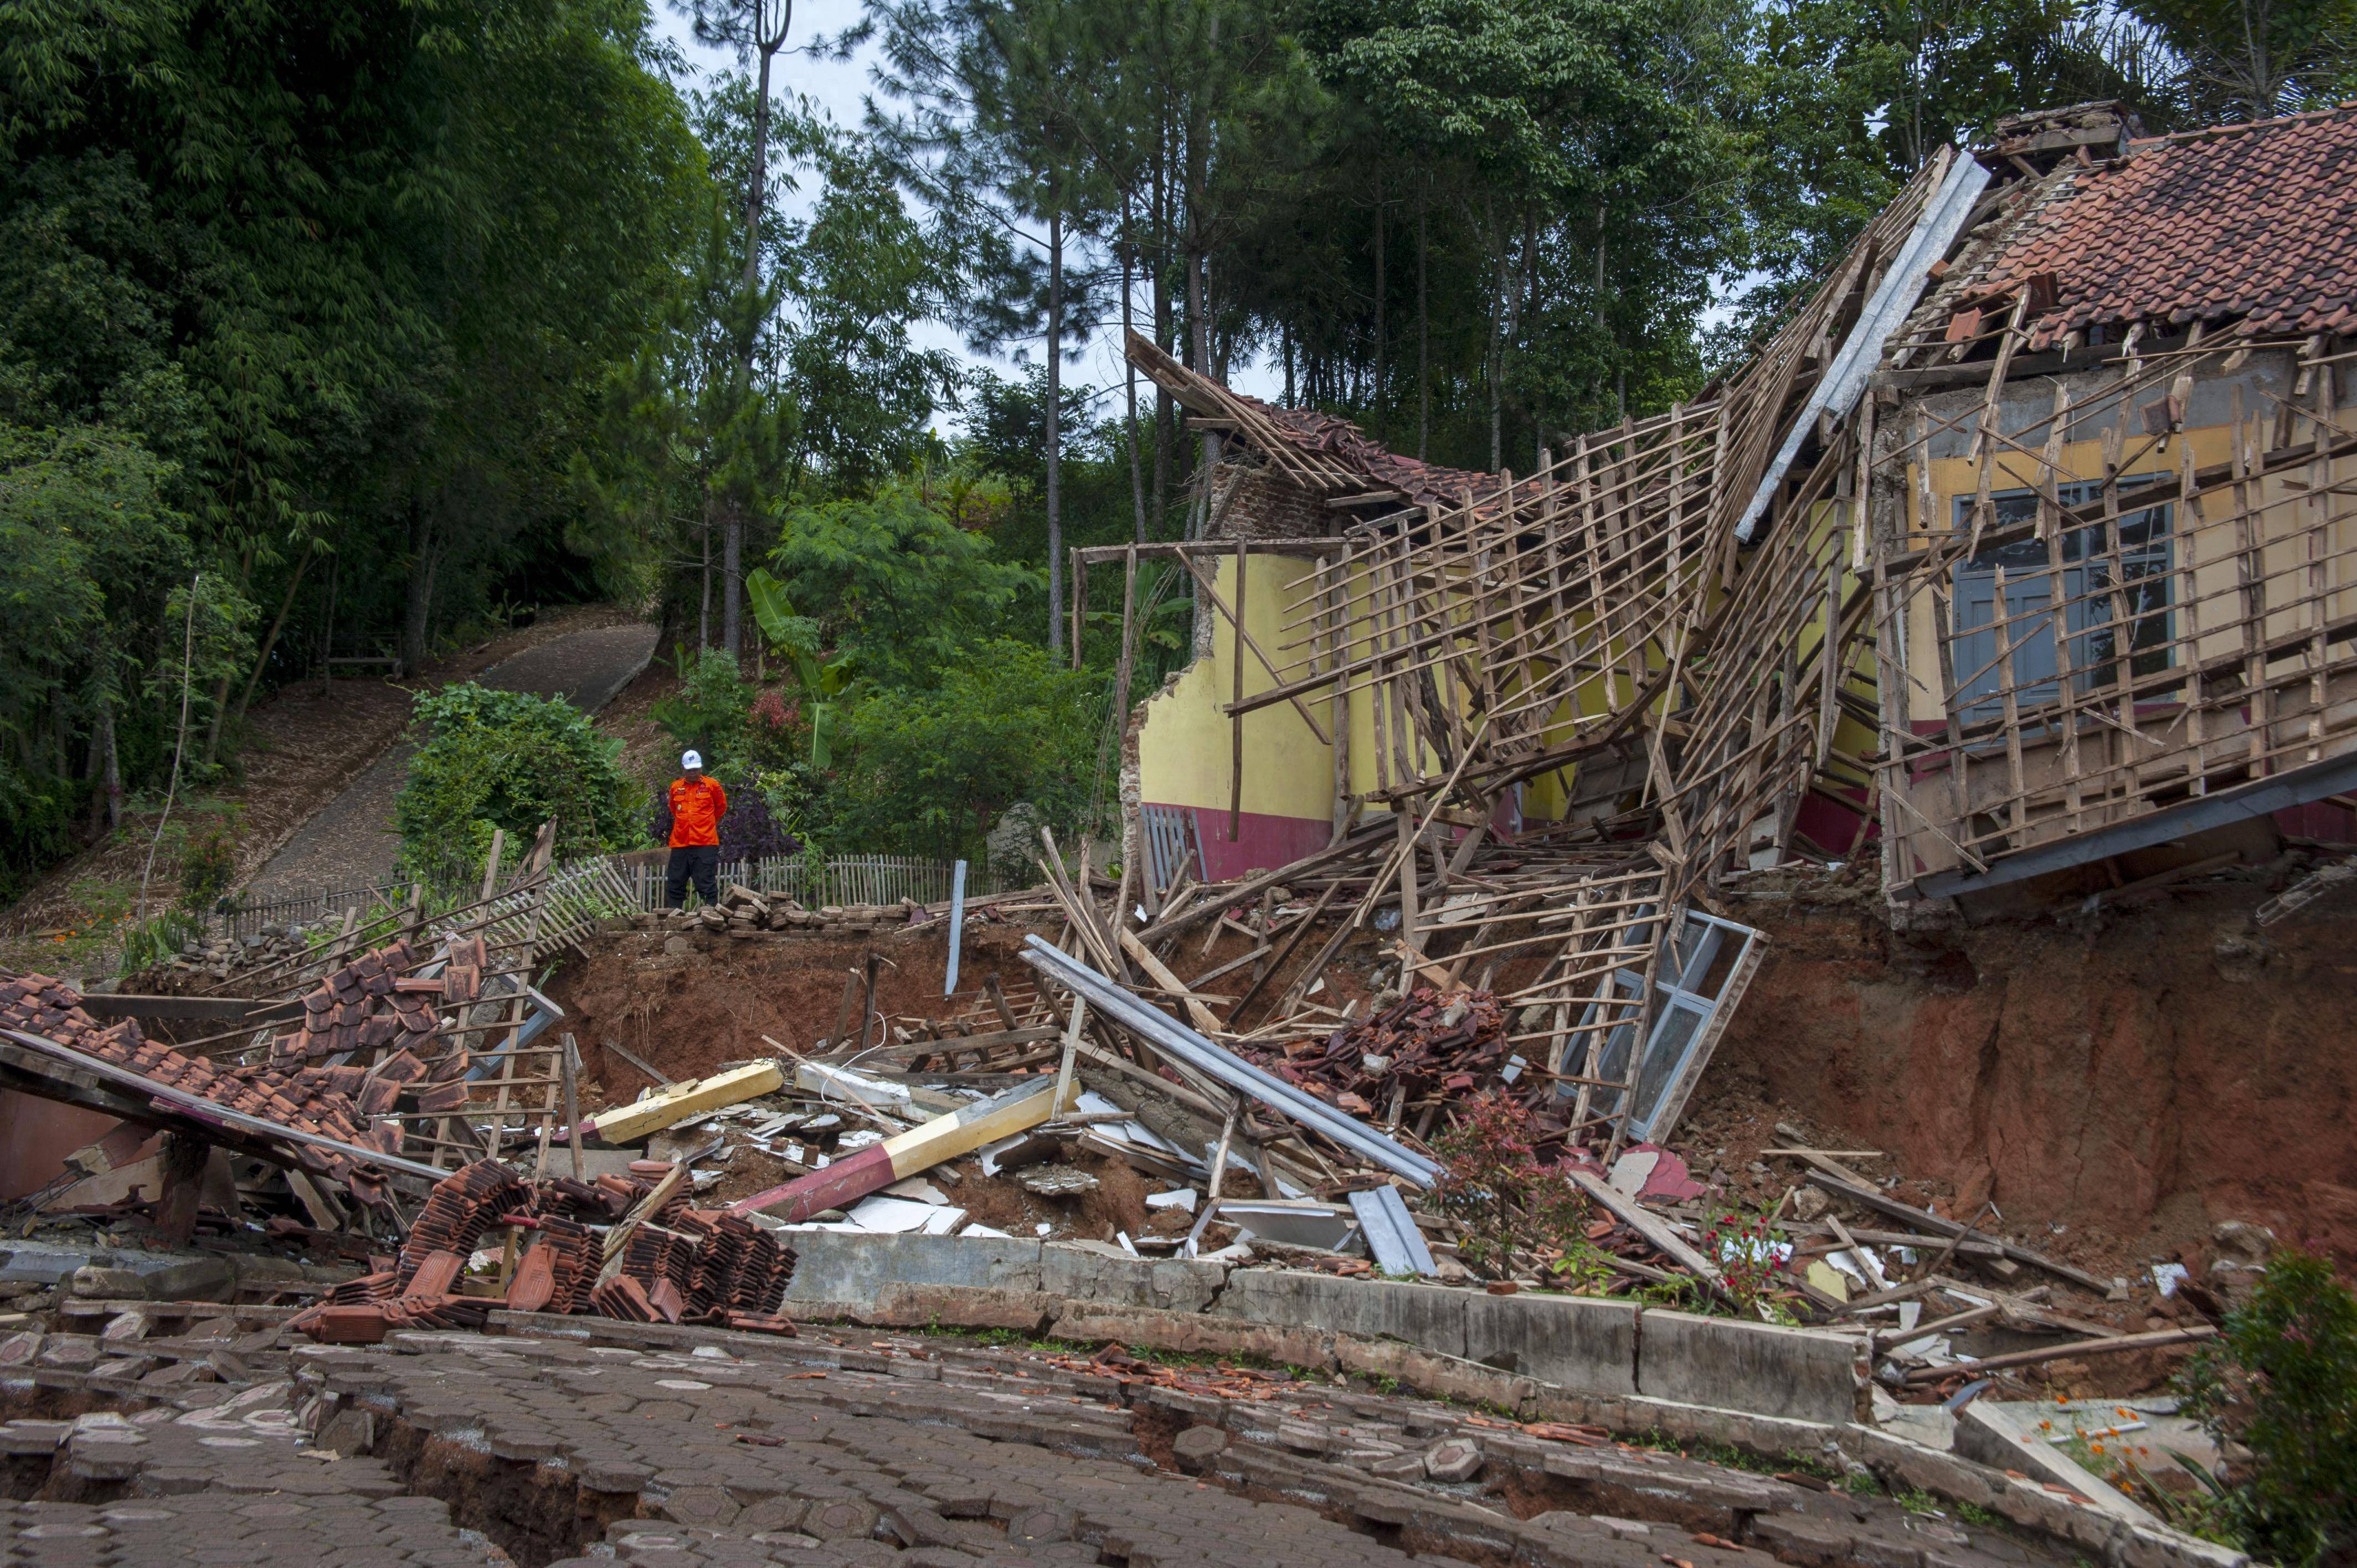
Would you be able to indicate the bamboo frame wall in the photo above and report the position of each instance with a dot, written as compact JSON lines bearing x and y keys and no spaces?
{"x":2232,"y":661}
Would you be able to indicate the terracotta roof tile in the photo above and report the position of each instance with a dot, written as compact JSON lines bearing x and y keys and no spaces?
{"x":2258,"y":221}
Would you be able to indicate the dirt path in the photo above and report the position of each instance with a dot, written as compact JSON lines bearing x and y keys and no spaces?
{"x":349,"y":842}
{"x":303,"y":749}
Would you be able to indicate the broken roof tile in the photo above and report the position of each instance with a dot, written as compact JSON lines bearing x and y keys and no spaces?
{"x":2258,"y":221}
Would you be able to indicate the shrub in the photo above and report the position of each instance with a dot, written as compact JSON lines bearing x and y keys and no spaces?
{"x":1509,"y":1200}
{"x":1743,"y":1244}
{"x":209,"y":860}
{"x":2284,"y":1373}
{"x":492,"y":760}
{"x":710,"y":711}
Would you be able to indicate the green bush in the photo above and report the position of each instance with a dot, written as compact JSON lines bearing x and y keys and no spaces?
{"x":492,"y":760}
{"x":207,"y":858}
{"x":711,"y":712}
{"x":2282,"y":1380}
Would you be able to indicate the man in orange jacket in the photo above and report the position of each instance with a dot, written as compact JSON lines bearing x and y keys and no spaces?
{"x":697,"y":804}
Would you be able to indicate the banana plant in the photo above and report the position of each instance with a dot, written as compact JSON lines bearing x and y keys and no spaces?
{"x":796,"y":636}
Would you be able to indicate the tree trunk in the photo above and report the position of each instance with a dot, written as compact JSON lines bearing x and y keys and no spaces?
{"x":425,"y":555}
{"x":1129,"y":370}
{"x":1165,"y":338}
{"x":1376,"y":397}
{"x":1526,"y":307}
{"x":1423,"y":322}
{"x":732,"y":544}
{"x":1496,"y":332}
{"x":1198,"y":317}
{"x":220,"y":686}
{"x":327,"y":634}
{"x":270,"y":641}
{"x":1055,"y":453}
{"x":110,"y":765}
{"x":703,"y":616}
{"x":732,"y":572}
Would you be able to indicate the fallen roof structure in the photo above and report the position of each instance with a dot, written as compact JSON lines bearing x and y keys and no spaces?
{"x":2022,"y":544}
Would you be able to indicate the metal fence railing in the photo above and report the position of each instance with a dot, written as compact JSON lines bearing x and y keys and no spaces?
{"x":840,"y":880}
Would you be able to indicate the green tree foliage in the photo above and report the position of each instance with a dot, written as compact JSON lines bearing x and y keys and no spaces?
{"x":2282,"y":1380}
{"x":839,"y":396}
{"x":91,"y":549}
{"x":892,"y":583}
{"x":489,"y":760}
{"x":305,"y":295}
{"x":1848,"y":99}
{"x":931,"y":768}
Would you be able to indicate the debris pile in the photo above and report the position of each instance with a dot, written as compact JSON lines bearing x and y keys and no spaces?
{"x":1425,"y":1049}
{"x":742,"y":911}
{"x":216,"y":958}
{"x":666,"y":1262}
{"x":310,"y":1100}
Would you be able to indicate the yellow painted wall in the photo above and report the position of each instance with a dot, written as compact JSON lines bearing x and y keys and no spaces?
{"x":1185,"y":749}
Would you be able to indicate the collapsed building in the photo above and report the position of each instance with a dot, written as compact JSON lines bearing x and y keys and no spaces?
{"x":2020,"y":547}
{"x":2011,"y":569}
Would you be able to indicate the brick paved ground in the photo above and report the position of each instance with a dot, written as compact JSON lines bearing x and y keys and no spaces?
{"x":902,"y":1452}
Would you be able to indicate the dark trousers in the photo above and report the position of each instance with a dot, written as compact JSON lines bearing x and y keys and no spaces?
{"x":701,"y":861}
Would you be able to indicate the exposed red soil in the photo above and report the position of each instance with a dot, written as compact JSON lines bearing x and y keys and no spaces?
{"x":687,"y":1012}
{"x":2134,"y":1076}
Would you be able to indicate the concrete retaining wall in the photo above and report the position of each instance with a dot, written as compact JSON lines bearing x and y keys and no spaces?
{"x":1569,"y":1346}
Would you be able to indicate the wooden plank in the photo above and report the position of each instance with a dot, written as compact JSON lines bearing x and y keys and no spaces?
{"x":1925,"y":1219}
{"x":1968,"y":1368}
{"x":1653,"y":1228}
{"x":661,"y":1078}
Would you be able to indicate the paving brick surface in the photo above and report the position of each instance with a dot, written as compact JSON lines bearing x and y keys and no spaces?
{"x":691,"y":1448}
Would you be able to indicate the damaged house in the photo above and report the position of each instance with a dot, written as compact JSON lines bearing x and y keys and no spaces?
{"x":2023,"y":546}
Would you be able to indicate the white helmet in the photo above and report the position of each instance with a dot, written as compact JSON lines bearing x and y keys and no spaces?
{"x":692,"y":759}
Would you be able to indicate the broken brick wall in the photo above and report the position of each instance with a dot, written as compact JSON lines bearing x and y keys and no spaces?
{"x":1265,"y":504}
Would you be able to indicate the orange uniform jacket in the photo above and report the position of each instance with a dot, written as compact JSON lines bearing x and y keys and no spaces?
{"x":696,"y":809}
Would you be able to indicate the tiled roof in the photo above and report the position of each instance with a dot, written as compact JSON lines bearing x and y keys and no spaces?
{"x":1314,"y":449}
{"x":1421,"y":482}
{"x":2257,"y":221}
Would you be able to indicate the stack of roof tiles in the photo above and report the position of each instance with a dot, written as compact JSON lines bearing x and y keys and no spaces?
{"x":459,"y":1209}
{"x":309,"y":1099}
{"x":370,"y":1004}
{"x":572,"y":1263}
{"x":748,"y":1268}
